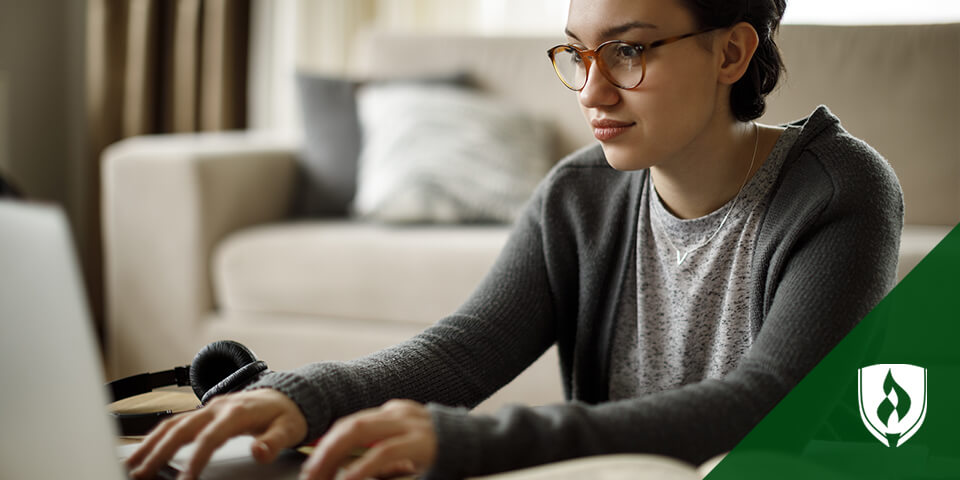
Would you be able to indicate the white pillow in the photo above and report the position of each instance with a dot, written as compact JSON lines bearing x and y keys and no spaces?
{"x":438,"y":153}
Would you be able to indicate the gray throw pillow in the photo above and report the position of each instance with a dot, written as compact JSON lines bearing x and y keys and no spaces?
{"x":327,"y":179}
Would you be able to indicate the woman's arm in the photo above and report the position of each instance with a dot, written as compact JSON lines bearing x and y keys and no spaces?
{"x":463,"y":359}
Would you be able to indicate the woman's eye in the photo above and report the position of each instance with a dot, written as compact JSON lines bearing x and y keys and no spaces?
{"x":574,"y":55}
{"x":627,"y":52}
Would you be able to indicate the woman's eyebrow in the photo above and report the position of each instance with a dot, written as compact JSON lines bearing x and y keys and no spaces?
{"x":614,"y":31}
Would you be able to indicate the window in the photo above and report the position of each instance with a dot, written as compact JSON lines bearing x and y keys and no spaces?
{"x":544,"y":16}
{"x":865,"y":12}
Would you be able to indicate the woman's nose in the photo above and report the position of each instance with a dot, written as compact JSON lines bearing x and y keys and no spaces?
{"x":598,"y":91}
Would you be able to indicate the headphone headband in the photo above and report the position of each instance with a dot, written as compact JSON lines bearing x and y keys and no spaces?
{"x":146,"y":382}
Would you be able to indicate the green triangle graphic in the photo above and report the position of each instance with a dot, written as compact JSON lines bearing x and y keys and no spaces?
{"x":816,"y":431}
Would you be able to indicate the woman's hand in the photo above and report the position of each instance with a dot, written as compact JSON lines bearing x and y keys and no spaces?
{"x":268,"y":414}
{"x":400,"y":435}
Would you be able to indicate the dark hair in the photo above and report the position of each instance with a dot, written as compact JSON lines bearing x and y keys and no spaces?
{"x":747,"y":95}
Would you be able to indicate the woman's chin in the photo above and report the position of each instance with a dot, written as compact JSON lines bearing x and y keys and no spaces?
{"x":623,"y":160}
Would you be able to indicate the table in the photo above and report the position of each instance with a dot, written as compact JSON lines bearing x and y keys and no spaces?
{"x":177,"y":399}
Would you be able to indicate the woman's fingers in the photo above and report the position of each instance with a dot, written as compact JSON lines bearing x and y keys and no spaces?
{"x":181,"y":432}
{"x":346,"y":435}
{"x":401,"y":433}
{"x":386,"y":457}
{"x":401,"y":468}
{"x":268,"y":413}
{"x":233,"y":421}
{"x":282,"y":433}
{"x":148,"y":443}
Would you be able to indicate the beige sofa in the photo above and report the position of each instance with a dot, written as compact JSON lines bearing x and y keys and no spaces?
{"x":199,"y":245}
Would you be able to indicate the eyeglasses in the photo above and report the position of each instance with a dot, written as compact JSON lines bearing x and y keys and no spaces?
{"x":622,"y":63}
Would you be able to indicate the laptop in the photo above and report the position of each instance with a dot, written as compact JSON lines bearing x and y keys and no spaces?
{"x":52,"y":395}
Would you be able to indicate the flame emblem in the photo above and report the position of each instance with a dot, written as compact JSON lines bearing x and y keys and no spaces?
{"x":887,"y":406}
{"x":893,"y":401}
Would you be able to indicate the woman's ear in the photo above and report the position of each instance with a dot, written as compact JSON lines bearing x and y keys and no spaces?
{"x":740,"y":43}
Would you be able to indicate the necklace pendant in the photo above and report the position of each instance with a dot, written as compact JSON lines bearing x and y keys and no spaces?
{"x":680,"y":258}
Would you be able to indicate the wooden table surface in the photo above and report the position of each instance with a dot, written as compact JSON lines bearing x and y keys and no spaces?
{"x":177,"y":399}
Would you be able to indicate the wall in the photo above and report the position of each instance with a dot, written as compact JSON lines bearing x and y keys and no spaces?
{"x":4,"y":140}
{"x":41,"y":118}
{"x":42,"y":127}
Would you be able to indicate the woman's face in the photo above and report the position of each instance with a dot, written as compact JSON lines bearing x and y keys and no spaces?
{"x":664,"y":116}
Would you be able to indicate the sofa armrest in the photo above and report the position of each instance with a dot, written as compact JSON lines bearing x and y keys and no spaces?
{"x":168,"y":200}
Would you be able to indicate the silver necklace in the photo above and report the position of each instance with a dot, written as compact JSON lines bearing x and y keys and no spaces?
{"x":681,"y":256}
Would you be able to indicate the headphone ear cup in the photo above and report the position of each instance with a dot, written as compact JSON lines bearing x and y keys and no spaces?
{"x":221,"y":367}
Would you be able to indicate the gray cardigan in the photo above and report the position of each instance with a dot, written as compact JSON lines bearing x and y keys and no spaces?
{"x":825,"y":255}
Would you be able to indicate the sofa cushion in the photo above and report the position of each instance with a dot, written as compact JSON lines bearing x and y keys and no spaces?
{"x":354,"y":270}
{"x":435,"y":153}
{"x":323,"y":268}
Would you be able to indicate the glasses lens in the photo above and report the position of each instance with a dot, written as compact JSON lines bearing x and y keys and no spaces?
{"x":624,"y":63}
{"x":569,"y":66}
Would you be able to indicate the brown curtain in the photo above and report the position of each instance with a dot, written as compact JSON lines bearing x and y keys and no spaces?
{"x":158,"y":66}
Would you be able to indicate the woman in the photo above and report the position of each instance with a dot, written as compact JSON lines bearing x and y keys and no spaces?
{"x":688,"y":288}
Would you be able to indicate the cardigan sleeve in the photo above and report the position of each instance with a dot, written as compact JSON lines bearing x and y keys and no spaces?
{"x":831,"y":256}
{"x":461,"y":360}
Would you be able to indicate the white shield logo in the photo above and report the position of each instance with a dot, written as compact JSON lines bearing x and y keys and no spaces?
{"x":893,"y":401}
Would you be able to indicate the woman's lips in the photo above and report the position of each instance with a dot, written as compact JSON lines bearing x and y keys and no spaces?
{"x":606,"y":129}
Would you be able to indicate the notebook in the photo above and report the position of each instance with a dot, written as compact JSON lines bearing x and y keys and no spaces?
{"x":52,"y":396}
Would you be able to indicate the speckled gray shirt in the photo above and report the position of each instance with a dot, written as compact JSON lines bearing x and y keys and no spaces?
{"x":689,"y":321}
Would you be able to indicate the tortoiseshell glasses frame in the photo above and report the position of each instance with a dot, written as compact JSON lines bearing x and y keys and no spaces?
{"x":617,"y":60}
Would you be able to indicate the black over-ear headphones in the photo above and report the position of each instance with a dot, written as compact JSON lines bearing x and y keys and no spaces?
{"x":221,"y":367}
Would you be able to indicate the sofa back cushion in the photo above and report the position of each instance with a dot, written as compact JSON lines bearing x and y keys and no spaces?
{"x":514,"y":69}
{"x":897,"y":87}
